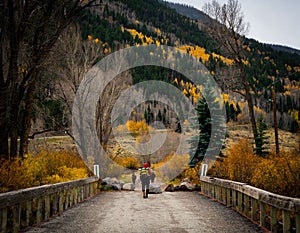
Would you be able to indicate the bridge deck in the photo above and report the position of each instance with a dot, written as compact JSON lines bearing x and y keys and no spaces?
{"x":166,"y":212}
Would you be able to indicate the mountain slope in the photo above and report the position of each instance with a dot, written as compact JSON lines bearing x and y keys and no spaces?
{"x":124,"y":23}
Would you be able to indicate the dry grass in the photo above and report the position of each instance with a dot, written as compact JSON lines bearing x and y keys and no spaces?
{"x":287,"y":140}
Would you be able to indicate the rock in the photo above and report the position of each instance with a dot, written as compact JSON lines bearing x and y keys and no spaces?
{"x":116,"y":186}
{"x":169,"y":188}
{"x":129,"y":186}
{"x":111,"y":183}
{"x":186,"y":186}
{"x":114,"y":180}
{"x":154,"y":188}
{"x":106,"y":181}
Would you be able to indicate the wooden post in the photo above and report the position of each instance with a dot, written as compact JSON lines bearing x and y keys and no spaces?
{"x":61,"y":202}
{"x":47,"y":207}
{"x":240,"y":201}
{"x":262,"y":208}
{"x":75,"y":191}
{"x":3,"y":218}
{"x":254,"y":209}
{"x":67,"y":196}
{"x":39,"y":210}
{"x":234,"y":198}
{"x":28,"y":212}
{"x":286,"y":218}
{"x":274,"y":220}
{"x":246,"y":208}
{"x":55,"y":203}
{"x":228,"y":195}
{"x":16,"y":217}
{"x":71,"y":197}
{"x":297,"y":219}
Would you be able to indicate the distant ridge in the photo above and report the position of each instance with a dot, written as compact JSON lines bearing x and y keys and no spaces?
{"x":199,"y":15}
{"x":284,"y":48}
{"x":187,"y":11}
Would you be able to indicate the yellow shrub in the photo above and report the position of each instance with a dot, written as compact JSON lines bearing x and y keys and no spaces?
{"x":276,"y":173}
{"x":45,"y":168}
{"x":239,"y":165}
{"x":279,"y":174}
{"x":138,"y":128}
{"x":128,"y":162}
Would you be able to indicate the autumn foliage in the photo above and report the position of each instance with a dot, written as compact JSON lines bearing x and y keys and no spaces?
{"x":277,"y":173}
{"x":45,"y":168}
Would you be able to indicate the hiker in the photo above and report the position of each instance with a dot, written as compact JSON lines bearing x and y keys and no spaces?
{"x":145,"y":174}
{"x":152,"y":178}
{"x":133,"y":178}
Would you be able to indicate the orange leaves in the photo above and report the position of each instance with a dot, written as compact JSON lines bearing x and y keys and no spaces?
{"x":146,"y":39}
{"x":138,"y":128}
{"x":223,"y":59}
{"x":276,"y":173}
{"x":46,"y":168}
{"x":198,"y":52}
{"x":240,"y":163}
{"x":128,"y":162}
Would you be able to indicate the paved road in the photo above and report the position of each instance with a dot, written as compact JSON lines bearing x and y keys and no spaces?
{"x":128,"y":212}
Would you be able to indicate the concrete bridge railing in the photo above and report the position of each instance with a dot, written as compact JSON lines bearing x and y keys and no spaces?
{"x":273,"y":212}
{"x":22,"y":208}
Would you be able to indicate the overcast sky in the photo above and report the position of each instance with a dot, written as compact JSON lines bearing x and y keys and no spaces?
{"x":271,"y":21}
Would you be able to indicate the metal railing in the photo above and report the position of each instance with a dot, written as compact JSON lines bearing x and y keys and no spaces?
{"x":273,"y":212}
{"x":22,"y":208}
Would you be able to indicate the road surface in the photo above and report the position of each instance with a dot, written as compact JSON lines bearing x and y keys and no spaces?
{"x":128,"y":212}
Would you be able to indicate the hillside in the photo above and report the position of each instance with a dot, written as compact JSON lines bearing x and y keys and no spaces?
{"x":199,"y":15}
{"x":118,"y":24}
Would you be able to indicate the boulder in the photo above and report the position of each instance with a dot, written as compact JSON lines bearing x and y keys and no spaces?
{"x":106,"y":181}
{"x":111,"y":183}
{"x":116,"y":186}
{"x":129,"y":186}
{"x":114,"y":180}
{"x":186,"y":186}
{"x":155,"y":188}
{"x":169,"y":188}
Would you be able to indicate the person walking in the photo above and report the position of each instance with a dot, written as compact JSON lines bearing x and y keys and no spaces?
{"x":145,"y":175}
{"x":133,"y":178}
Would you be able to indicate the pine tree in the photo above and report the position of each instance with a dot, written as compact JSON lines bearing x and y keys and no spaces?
{"x":200,"y":142}
{"x":262,"y":139}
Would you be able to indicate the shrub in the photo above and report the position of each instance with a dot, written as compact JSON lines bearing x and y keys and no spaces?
{"x":239,"y":165}
{"x":277,"y":173}
{"x":45,"y":168}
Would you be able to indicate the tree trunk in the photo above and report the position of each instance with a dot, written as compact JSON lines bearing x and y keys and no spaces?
{"x":3,"y":123}
{"x":251,"y":113}
{"x":13,"y":82}
{"x":26,"y":121}
{"x":3,"y":109}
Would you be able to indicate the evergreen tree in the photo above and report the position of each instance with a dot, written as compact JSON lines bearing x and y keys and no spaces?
{"x":200,"y":142}
{"x":261,"y":147}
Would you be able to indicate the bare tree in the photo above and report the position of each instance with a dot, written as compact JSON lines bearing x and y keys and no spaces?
{"x":28,"y":31}
{"x":228,"y":27}
{"x":72,"y":57}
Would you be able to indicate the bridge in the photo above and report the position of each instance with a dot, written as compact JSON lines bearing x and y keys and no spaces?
{"x":78,"y":206}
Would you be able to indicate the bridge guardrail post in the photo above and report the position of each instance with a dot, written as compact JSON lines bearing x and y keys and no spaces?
{"x":286,"y":218}
{"x":274,"y":219}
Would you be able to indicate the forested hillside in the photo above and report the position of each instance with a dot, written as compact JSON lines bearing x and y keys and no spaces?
{"x":50,"y":65}
{"x":113,"y":25}
{"x":121,"y":24}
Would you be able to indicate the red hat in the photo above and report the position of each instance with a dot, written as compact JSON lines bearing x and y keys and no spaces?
{"x":146,"y":165}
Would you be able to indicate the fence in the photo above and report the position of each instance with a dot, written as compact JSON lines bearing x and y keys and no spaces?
{"x":273,"y":212}
{"x":22,"y":208}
